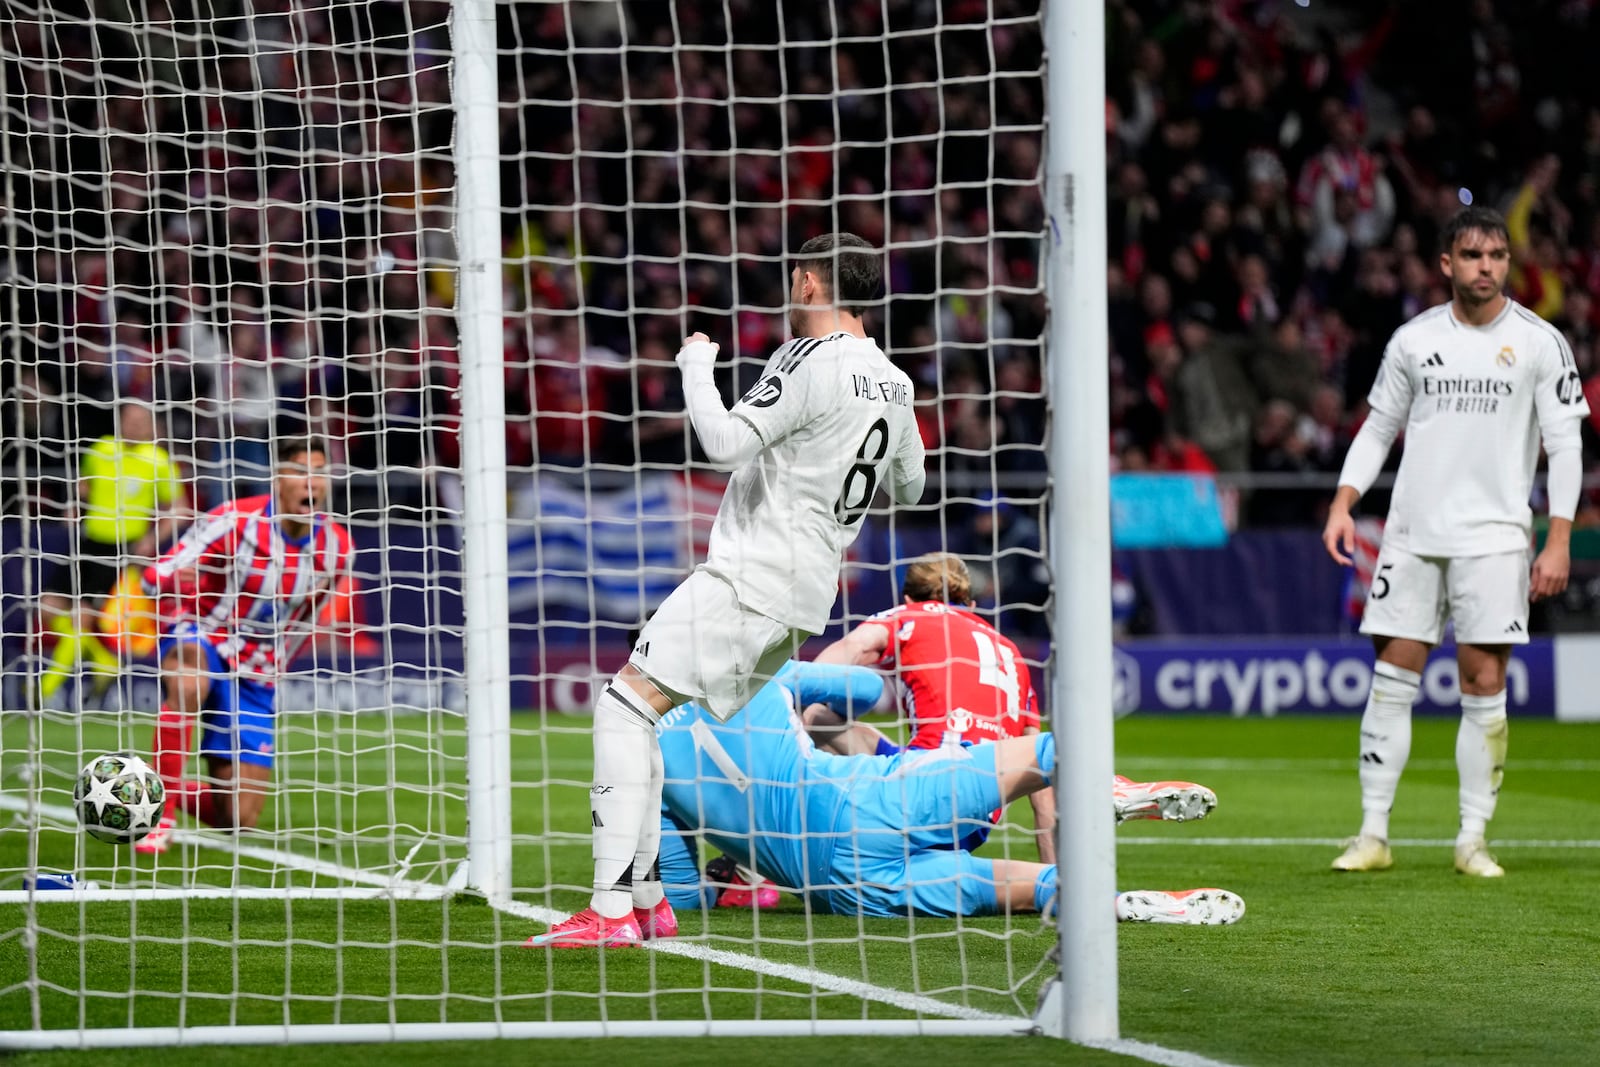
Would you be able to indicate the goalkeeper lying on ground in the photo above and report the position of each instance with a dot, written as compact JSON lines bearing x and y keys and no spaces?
{"x":875,"y":835}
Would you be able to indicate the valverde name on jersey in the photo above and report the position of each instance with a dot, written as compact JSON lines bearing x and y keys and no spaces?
{"x":886,"y":391}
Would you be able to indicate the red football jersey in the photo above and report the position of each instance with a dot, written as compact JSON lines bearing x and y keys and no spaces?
{"x":255,"y":593}
{"x":964,"y":676}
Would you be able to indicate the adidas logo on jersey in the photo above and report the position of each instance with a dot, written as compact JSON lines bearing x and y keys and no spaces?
{"x":1434,"y":360}
{"x":1514,"y":628}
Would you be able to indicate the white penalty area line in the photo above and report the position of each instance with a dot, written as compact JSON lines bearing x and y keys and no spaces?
{"x":1294,"y":842}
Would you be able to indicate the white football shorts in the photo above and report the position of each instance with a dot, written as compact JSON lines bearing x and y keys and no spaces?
{"x":1486,"y":597}
{"x":703,"y":645}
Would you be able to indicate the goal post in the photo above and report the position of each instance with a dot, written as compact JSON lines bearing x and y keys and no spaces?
{"x":460,"y":243}
{"x":1075,"y":191}
{"x":479,"y":314}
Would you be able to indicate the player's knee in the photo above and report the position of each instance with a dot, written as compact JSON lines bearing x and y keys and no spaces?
{"x":1483,"y":673}
{"x":1485,"y":682}
{"x":247,"y":813}
{"x":638,"y":692}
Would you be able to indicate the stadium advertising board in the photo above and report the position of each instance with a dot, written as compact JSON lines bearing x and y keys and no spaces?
{"x":1262,"y":677}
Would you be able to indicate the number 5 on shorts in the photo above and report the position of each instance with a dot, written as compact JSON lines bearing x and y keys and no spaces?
{"x":1380,"y":584}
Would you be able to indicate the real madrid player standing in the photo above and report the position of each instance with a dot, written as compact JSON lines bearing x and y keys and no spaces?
{"x":1475,"y":383}
{"x":809,"y":444}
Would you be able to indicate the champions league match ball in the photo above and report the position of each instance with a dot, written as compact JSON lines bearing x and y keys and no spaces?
{"x":118,"y":798}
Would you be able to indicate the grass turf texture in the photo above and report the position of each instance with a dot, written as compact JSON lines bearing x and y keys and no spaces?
{"x":1412,"y":965}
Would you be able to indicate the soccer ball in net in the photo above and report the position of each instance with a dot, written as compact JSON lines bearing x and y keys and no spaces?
{"x":118,"y":798}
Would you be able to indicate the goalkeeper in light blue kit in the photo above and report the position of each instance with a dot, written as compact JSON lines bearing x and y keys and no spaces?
{"x":871,"y":835}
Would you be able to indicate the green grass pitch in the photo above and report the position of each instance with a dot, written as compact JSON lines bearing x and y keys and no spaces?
{"x":1414,"y":965}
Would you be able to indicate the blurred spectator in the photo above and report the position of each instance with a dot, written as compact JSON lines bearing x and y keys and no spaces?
{"x":1282,"y":444}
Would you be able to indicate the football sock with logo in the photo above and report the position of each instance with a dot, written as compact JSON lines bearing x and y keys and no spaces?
{"x":647,"y":888}
{"x":625,"y":756}
{"x":1481,"y":760}
{"x":1385,"y":743}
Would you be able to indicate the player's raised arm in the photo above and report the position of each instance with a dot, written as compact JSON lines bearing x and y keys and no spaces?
{"x":1389,"y":403}
{"x":727,"y":440}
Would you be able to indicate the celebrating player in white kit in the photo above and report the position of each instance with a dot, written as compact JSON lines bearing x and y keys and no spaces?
{"x":809,"y":444}
{"x":1475,"y":383}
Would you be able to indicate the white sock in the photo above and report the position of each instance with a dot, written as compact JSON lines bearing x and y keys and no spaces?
{"x":625,"y":750}
{"x":647,"y":888}
{"x":1481,"y":761}
{"x":1385,"y":743}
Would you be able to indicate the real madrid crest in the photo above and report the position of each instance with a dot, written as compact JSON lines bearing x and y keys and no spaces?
{"x":1507,"y":357}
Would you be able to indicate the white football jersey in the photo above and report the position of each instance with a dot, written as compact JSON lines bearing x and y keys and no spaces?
{"x":1473,"y":400}
{"x":835,"y":421}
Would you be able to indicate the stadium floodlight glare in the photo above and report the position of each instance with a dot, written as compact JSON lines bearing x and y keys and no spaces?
{"x":460,"y":243}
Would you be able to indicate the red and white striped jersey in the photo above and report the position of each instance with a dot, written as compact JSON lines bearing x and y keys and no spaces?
{"x":251,"y":591}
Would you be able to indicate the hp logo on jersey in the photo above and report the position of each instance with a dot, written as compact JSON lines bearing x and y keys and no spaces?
{"x":764,"y":393}
{"x":1569,"y":390}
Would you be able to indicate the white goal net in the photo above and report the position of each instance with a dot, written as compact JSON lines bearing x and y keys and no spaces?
{"x":233,"y":224}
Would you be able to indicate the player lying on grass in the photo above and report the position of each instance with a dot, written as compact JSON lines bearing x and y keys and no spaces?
{"x":238,"y":595}
{"x":869,"y":835}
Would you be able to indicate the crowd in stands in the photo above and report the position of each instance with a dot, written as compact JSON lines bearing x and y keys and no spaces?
{"x":1277,"y":185}
{"x":270,"y":247}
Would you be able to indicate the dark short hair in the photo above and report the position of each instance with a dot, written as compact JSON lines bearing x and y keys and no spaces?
{"x":847,"y":265}
{"x":290,"y":447}
{"x":1486,"y":220}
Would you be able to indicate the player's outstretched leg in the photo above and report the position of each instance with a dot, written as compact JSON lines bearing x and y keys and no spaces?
{"x":1481,"y":761}
{"x":1385,"y":747}
{"x":1172,"y":801}
{"x":1187,"y":907}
